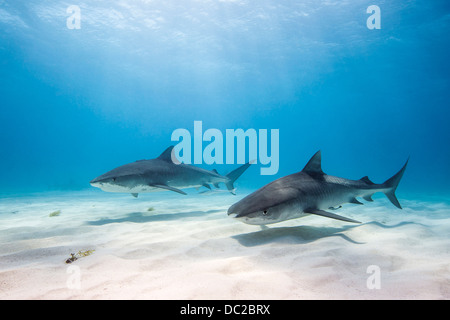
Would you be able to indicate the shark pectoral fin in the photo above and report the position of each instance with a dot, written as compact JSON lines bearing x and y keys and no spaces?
{"x":163,"y":186}
{"x":368,"y":197}
{"x":135,"y":195}
{"x":216,"y":185}
{"x":329,"y":215}
{"x":207,"y":186}
{"x":354,"y":200}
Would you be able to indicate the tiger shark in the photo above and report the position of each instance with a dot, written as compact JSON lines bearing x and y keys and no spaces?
{"x":309,"y":191}
{"x":162,"y":173}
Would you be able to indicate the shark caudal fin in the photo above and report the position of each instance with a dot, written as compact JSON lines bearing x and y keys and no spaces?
{"x":392,"y":184}
{"x":233,"y":175}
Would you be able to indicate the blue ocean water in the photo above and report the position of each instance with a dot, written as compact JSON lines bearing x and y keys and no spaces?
{"x":77,"y":102}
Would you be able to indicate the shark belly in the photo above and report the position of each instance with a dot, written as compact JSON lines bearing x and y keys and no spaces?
{"x":124,"y":189}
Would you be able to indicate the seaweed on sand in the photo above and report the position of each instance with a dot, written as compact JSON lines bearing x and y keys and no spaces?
{"x":79,"y":254}
{"x":55,"y":213}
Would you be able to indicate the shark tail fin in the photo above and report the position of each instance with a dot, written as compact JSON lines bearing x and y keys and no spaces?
{"x":392,"y":184}
{"x":233,"y":175}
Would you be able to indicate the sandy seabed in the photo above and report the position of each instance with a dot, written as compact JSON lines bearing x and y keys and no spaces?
{"x":169,"y":246}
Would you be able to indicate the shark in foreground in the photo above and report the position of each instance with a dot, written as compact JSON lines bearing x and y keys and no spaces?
{"x":309,"y":191}
{"x":161,"y":174}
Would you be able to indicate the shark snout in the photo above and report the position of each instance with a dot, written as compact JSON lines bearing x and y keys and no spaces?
{"x":236,"y":215}
{"x":97,"y":182}
{"x":103,"y":179}
{"x":231,"y":213}
{"x":234,"y":212}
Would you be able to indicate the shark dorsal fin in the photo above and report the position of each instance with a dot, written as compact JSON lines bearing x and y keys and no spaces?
{"x":314,"y":165}
{"x":366,"y":180}
{"x":167,"y":154}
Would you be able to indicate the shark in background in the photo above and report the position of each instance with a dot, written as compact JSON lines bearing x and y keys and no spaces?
{"x":162,"y":174}
{"x":309,"y":191}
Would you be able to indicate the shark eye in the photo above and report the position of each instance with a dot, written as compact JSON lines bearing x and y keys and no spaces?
{"x":265,"y":212}
{"x":114,"y":179}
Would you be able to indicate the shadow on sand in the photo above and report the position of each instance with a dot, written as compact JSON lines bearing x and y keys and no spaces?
{"x":141,"y":217}
{"x":303,"y":234}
